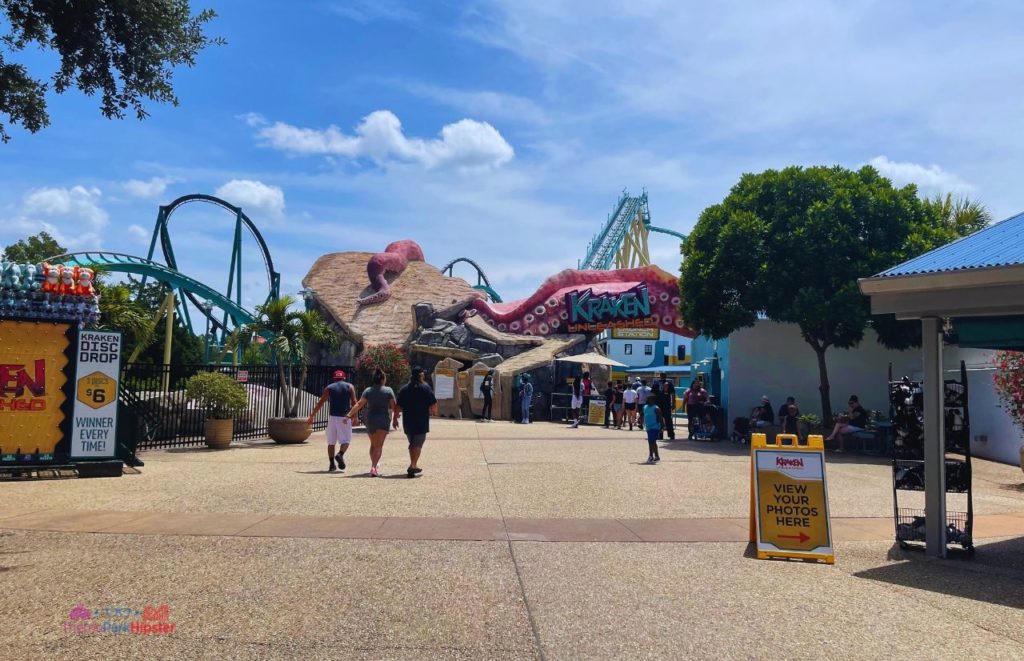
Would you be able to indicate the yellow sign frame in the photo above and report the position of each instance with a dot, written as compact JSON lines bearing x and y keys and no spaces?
{"x":791,"y":453}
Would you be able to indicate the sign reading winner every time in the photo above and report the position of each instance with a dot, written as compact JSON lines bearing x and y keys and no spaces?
{"x":94,"y":428}
{"x":590,"y":313}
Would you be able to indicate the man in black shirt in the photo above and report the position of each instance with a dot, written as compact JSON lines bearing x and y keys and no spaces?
{"x":854,"y":420}
{"x":609,"y":401}
{"x":417,"y":402}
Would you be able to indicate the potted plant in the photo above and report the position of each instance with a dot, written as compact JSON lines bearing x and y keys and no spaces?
{"x":809,"y":422}
{"x":220,"y":397}
{"x":291,"y":335}
{"x":1009,"y":383}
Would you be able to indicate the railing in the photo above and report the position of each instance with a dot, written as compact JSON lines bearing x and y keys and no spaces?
{"x":154,"y":400}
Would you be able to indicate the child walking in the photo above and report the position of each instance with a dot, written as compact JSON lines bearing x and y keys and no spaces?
{"x":652,"y":422}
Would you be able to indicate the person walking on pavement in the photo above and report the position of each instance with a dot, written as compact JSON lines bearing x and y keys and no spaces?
{"x":417,"y":403}
{"x":653,"y":421}
{"x":667,"y":404}
{"x":487,"y":390}
{"x":380,"y":404}
{"x":643,"y":393}
{"x":629,"y":405}
{"x":576,"y":401}
{"x":340,"y":395}
{"x":527,"y":398}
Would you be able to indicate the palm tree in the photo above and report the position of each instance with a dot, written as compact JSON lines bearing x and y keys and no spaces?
{"x":960,"y":216}
{"x":291,"y":335}
{"x":118,"y":312}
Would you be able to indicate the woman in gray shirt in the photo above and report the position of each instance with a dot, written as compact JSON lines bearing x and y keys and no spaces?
{"x":381,"y":409}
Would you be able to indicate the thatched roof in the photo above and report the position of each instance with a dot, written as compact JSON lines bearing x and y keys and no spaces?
{"x":339,"y":279}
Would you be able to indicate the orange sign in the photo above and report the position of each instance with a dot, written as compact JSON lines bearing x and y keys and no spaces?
{"x":32,"y":379}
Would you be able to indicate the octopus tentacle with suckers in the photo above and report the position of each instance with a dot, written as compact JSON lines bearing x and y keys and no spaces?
{"x":394,"y":259}
{"x":545,"y":312}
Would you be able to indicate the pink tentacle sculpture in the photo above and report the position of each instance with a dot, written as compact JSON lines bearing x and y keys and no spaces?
{"x":545,"y":311}
{"x":394,"y":259}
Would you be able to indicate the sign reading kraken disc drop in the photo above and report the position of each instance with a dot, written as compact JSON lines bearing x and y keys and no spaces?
{"x":32,"y":363}
{"x":790,"y":498}
{"x":94,"y":432}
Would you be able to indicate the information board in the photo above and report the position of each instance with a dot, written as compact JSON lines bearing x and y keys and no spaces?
{"x":94,"y":427}
{"x":444,"y":383}
{"x":595,"y":412}
{"x":478,"y":379}
{"x":790,"y":498}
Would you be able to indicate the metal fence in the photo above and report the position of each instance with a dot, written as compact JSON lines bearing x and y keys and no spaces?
{"x":161,"y":416}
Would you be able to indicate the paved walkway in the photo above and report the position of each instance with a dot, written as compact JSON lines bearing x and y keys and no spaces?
{"x":518,"y":542}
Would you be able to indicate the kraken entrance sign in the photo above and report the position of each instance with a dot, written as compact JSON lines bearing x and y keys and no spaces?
{"x":590,"y":312}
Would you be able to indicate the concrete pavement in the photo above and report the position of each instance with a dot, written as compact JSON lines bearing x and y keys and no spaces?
{"x":519,"y":542}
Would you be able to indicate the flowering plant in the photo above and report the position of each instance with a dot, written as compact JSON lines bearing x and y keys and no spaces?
{"x":1009,"y":383}
{"x":388,"y":357}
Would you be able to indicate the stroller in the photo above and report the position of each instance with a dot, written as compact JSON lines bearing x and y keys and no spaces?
{"x":704,"y":427}
{"x":740,"y":430}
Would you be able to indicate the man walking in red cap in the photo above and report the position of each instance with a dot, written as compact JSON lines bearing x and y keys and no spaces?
{"x":341,"y":395}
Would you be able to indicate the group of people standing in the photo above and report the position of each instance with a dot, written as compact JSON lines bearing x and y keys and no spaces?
{"x":414,"y":404}
{"x":629,"y":404}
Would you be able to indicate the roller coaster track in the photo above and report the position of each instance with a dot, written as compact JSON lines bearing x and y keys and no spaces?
{"x":629,"y":210}
{"x":482,"y":283}
{"x":162,"y":233}
{"x":121,"y":263}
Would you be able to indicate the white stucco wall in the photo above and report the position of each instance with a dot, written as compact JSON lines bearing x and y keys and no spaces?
{"x":772,"y":359}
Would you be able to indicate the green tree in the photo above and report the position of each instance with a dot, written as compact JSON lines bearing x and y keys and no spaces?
{"x":118,"y":312}
{"x":790,"y":245}
{"x":34,"y":249}
{"x":126,"y":51}
{"x":948,"y":219}
{"x":292,"y":335}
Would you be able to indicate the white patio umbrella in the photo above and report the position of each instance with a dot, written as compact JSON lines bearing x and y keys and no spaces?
{"x":592,"y":359}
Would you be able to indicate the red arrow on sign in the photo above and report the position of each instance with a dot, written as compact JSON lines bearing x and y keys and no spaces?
{"x":802,"y":537}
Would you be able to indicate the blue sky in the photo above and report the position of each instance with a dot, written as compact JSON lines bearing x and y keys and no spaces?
{"x":504,"y":130}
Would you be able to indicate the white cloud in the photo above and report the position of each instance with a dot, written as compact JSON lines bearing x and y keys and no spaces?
{"x":929,"y":178}
{"x":379,"y":137}
{"x":139,"y":234}
{"x":484,"y":102}
{"x":73,"y":204}
{"x":365,"y":11}
{"x":253,"y":195}
{"x":153,"y":188}
{"x":73,"y":216}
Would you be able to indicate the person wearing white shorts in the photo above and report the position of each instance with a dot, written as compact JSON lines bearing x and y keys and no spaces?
{"x":341,"y":395}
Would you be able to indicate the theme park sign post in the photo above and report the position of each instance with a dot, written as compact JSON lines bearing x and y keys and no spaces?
{"x":94,"y":431}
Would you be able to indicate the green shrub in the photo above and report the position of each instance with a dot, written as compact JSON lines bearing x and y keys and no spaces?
{"x":388,"y":357}
{"x":218,"y":394}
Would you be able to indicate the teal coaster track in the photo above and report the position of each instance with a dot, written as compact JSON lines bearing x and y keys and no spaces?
{"x":162,"y":234}
{"x":606,"y":243}
{"x":482,"y":283}
{"x":225,"y":311}
{"x":121,"y":263}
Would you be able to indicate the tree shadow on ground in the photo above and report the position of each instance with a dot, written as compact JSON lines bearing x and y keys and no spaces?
{"x":727,"y":448}
{"x":994,"y":575}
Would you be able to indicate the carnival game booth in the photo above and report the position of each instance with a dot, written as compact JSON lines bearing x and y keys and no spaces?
{"x":58,"y":381}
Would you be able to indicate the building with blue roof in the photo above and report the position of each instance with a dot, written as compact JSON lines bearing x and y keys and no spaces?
{"x":974,"y":285}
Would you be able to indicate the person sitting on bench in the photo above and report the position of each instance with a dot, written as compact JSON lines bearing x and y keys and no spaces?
{"x":763,"y":415}
{"x":854,"y":420}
